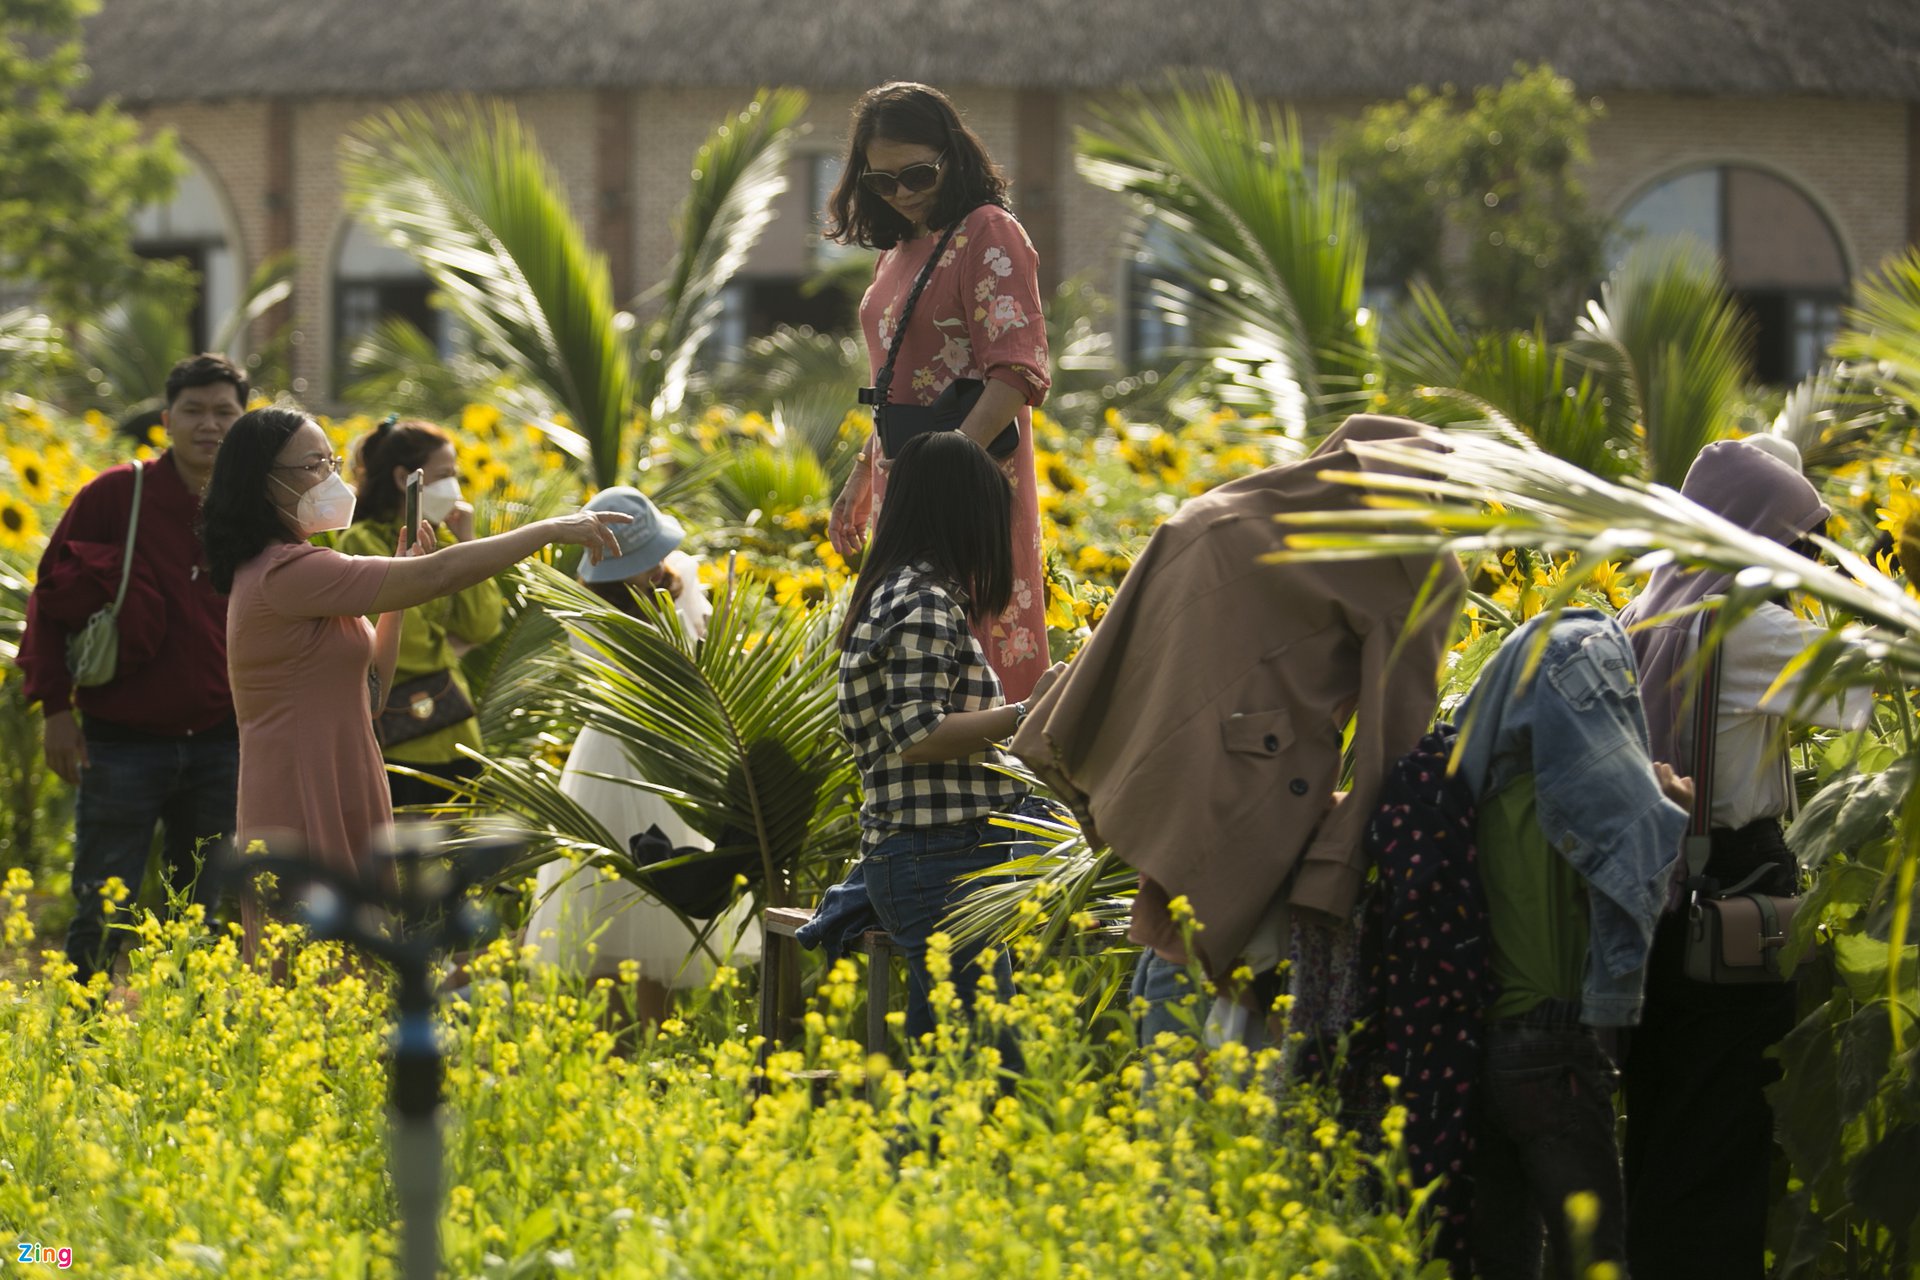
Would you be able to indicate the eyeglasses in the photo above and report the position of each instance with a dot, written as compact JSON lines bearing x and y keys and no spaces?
{"x":319,"y":464}
{"x":915,"y":177}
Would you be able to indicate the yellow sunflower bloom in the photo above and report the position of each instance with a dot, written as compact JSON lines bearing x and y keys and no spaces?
{"x":31,"y":475}
{"x":19,"y":525}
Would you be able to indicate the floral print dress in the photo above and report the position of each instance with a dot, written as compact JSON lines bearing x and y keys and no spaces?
{"x":980,"y":318}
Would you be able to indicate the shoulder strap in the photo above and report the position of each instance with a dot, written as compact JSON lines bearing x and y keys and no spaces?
{"x":884,"y":379}
{"x":1706,"y":707}
{"x":133,"y":529}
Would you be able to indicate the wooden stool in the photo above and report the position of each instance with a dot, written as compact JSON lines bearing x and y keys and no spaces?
{"x":778,"y":944}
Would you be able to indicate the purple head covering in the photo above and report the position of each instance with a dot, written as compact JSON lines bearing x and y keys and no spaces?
{"x":1755,"y":489}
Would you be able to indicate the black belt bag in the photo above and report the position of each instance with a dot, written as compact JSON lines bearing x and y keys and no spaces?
{"x":419,"y":706}
{"x":899,"y":423}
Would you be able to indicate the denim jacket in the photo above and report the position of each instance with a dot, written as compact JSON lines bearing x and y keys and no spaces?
{"x":1574,"y":721}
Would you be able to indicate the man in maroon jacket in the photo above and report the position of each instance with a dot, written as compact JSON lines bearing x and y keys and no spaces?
{"x":158,"y":742}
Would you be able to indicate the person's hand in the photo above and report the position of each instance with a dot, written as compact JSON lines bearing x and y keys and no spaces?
{"x":459,"y":522}
{"x":1673,"y":786}
{"x":847,"y":525}
{"x":66,"y":748}
{"x":423,"y":542}
{"x":1048,"y":678}
{"x":590,"y":529}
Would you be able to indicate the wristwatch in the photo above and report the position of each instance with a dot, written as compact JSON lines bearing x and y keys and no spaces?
{"x":1019,"y":716}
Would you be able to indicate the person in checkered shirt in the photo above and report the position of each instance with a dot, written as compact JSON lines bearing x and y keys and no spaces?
{"x":923,"y":711}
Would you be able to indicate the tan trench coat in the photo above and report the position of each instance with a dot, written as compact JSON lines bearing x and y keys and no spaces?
{"x":1199,"y":731}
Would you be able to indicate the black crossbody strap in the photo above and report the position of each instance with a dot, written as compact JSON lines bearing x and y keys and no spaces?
{"x":884,"y":379}
{"x":1706,"y":705}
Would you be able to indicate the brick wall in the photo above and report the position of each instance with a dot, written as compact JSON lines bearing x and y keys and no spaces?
{"x":1854,"y":159}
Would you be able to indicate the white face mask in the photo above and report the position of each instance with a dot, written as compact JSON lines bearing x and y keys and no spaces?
{"x":437,"y":499}
{"x":323,"y":508}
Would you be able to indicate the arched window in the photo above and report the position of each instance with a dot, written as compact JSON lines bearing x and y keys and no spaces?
{"x":192,"y":228}
{"x":1152,"y":329}
{"x":780,"y":283}
{"x":373,"y":281}
{"x":1783,"y":261}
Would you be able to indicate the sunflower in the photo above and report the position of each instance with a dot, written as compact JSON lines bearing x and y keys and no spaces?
{"x":19,"y":526}
{"x":31,"y":474}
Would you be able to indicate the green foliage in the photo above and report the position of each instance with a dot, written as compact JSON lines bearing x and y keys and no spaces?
{"x":1672,"y":346}
{"x":737,"y":174}
{"x":1884,"y":327}
{"x":739,"y":731}
{"x":1268,"y":253}
{"x":70,"y":179}
{"x":466,"y":190}
{"x":1519,"y":381}
{"x":231,"y":1125}
{"x":1495,"y":173}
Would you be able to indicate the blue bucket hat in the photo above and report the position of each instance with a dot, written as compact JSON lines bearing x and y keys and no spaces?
{"x":644,"y":543}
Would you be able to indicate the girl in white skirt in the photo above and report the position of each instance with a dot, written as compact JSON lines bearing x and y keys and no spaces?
{"x":584,"y":920}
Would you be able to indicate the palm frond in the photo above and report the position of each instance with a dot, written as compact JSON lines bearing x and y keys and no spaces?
{"x":770,"y":479}
{"x":270,"y":285}
{"x":31,"y":346}
{"x":1836,"y":416}
{"x":1516,"y":381}
{"x":518,"y":703}
{"x":129,"y":348}
{"x":1672,"y":347}
{"x":1267,"y":254}
{"x":465,"y":190}
{"x":1481,"y":494}
{"x":739,"y":171}
{"x":739,"y":731}
{"x":805,"y":380}
{"x":1884,"y":328}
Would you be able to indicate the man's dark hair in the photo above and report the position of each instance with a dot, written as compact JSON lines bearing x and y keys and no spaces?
{"x":391,"y":444}
{"x":204,"y":370}
{"x":948,"y":506}
{"x":237,"y":520}
{"x":912,"y":113}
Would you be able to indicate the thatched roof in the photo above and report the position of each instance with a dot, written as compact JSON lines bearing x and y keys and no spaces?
{"x":173,"y":50}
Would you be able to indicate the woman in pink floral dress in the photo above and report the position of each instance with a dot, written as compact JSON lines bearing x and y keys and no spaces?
{"x":913,"y":169}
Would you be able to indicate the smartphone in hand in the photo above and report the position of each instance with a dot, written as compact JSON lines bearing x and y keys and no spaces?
{"x":414,"y":483}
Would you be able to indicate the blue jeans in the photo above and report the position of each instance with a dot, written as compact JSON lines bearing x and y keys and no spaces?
{"x":1172,"y":1003}
{"x":187,"y":785}
{"x":1545,"y":1133}
{"x":914,"y":880}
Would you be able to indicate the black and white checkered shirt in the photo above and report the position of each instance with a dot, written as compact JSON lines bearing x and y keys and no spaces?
{"x":911,"y":661}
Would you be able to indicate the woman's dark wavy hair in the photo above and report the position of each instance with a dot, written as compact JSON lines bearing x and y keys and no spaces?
{"x":237,"y":521}
{"x":914,"y":113}
{"x":391,"y":444}
{"x":950,"y":506}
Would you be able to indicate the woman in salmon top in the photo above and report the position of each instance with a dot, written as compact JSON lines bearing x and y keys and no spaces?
{"x":913,"y":169}
{"x":309,"y":673}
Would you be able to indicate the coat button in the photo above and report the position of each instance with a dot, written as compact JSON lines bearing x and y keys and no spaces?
{"x":1298,"y":786}
{"x":1272,"y":742}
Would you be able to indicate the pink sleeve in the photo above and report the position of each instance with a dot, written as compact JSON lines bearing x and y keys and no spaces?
{"x":316,"y":582}
{"x":1005,"y":325}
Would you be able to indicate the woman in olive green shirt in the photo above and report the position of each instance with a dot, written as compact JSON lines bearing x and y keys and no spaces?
{"x":428,"y":687}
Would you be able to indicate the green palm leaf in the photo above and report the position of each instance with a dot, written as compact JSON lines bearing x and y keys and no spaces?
{"x":465,"y":190}
{"x":1884,"y":327}
{"x":805,"y":380}
{"x":1268,"y":253}
{"x":1672,"y":346}
{"x":1517,"y":381}
{"x":740,"y":731}
{"x":737,"y":174}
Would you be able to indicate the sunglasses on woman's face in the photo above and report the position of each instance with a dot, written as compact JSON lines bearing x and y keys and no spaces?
{"x":915,"y":177}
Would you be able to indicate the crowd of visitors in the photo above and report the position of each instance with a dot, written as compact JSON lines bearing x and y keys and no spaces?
{"x":1510,"y":910}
